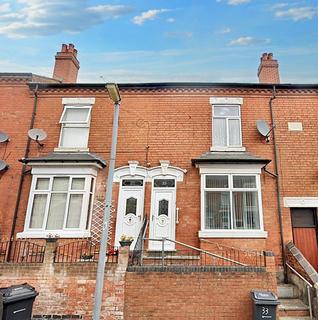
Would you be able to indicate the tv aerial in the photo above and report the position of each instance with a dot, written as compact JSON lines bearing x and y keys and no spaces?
{"x":37,"y":135}
{"x":4,"y":137}
{"x":3,"y":165}
{"x":264,"y":129}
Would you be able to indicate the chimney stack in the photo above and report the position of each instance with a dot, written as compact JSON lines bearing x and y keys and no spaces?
{"x":268,"y":69}
{"x":66,"y":64}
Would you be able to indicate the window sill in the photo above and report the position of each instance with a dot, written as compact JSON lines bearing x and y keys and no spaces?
{"x":221,"y":149}
{"x":57,"y":234}
{"x":232,"y":234}
{"x":71,"y":149}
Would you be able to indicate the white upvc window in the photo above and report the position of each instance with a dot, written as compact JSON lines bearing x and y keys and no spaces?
{"x":59,"y":205}
{"x":75,"y":123}
{"x":231,"y":205}
{"x":226,"y":124}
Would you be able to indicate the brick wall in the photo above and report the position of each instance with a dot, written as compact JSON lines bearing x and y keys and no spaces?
{"x":194,"y":295}
{"x":68,"y":288}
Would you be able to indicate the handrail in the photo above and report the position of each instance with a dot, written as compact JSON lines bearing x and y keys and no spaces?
{"x":231,"y":247}
{"x":143,"y":242}
{"x":308,"y":286}
{"x":299,"y":275}
{"x":197,"y":249}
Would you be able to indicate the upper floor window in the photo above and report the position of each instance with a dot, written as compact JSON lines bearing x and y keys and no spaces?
{"x":226,"y":123}
{"x":75,"y":123}
{"x":227,"y":126}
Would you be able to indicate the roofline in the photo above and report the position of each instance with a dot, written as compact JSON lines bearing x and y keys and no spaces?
{"x":174,"y":85}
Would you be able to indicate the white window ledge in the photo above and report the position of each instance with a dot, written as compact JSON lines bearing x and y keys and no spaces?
{"x":58,"y":234}
{"x":232,"y":234}
{"x":221,"y":149}
{"x":71,"y":149}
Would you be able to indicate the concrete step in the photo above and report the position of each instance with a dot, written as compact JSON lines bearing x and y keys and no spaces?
{"x":292,"y":308}
{"x":287,"y":291}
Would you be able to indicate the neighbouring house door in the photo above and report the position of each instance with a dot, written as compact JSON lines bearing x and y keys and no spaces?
{"x":129,"y":210}
{"x":163,"y":207}
{"x":304,"y":222}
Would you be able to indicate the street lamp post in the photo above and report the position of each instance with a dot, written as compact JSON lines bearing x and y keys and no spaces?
{"x":114,"y":94}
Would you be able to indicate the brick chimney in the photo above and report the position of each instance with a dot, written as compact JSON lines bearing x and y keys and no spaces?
{"x":268,"y":69}
{"x":66,"y":64}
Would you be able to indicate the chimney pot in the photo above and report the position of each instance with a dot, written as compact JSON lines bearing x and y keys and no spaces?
{"x":268,"y":71}
{"x":66,"y":64}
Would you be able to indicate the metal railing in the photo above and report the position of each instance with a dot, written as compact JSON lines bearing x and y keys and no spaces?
{"x":308,"y":287}
{"x":195,"y":256}
{"x":83,"y":251}
{"x":21,"y":251}
{"x":136,"y":255}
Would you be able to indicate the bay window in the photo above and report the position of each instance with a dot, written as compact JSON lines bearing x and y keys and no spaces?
{"x":59,"y":205}
{"x":231,"y":205}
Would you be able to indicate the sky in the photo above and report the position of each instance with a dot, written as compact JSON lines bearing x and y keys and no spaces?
{"x":162,"y":40}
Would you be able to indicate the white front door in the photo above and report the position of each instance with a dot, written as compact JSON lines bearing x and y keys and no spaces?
{"x":130,"y":211}
{"x":162,"y":222}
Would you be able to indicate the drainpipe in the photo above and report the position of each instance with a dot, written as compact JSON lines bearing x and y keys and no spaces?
{"x":278,"y":190}
{"x":23,"y":169}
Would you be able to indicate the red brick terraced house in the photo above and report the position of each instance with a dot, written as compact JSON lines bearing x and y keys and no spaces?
{"x":217,"y":205}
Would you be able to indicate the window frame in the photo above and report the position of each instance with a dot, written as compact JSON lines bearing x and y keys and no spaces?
{"x":75,"y":124}
{"x":231,"y":233}
{"x":227,"y":118}
{"x":86,"y":211}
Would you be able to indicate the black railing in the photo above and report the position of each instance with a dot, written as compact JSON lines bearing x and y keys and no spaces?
{"x":83,"y":251}
{"x":21,"y":251}
{"x":135,"y":256}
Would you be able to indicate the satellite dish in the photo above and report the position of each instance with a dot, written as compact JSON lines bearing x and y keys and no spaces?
{"x":37,"y":135}
{"x":3,"y":137}
{"x":3,"y":165}
{"x":262,"y":127}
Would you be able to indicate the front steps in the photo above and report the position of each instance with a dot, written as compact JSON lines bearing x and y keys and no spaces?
{"x":291,"y":306}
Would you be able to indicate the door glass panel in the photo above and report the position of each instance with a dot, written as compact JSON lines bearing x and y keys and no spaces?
{"x":164,"y":183}
{"x":132,"y":183}
{"x":131,"y":206}
{"x":163,"y":207}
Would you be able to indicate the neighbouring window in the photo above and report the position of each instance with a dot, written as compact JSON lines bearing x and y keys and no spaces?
{"x":60,"y":203}
{"x":227,"y":126}
{"x":231,"y":202}
{"x":75,"y":122}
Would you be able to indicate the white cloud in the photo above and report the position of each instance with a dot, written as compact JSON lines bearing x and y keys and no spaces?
{"x":246,"y":41}
{"x":279,"y":5}
{"x":148,"y":15}
{"x":235,"y":2}
{"x":297,"y":14}
{"x":40,"y":18}
{"x":5,"y":7}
